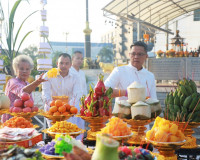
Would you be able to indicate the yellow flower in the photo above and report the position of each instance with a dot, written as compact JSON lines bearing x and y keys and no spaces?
{"x":52,"y":73}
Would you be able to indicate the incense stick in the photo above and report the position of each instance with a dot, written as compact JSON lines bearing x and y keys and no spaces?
{"x":148,"y":89}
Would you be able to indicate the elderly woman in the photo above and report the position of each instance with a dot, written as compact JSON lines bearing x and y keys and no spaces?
{"x":22,"y":66}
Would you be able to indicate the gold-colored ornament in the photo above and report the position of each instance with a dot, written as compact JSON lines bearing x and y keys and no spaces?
{"x":138,"y":128}
{"x":166,"y":149}
{"x":27,"y":116}
{"x":96,"y":124}
{"x":55,"y":118}
{"x":187,"y":130}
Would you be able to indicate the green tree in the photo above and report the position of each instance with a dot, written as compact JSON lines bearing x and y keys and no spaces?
{"x":106,"y":55}
{"x":55,"y":58}
{"x":10,"y":48}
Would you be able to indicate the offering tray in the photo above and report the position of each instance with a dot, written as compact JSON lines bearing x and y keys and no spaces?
{"x":138,"y":128}
{"x":73,"y":134}
{"x":121,"y":139}
{"x":52,"y":157}
{"x":55,"y":118}
{"x":27,"y":116}
{"x":166,"y":149}
{"x":187,"y":130}
{"x":3,"y":111}
{"x":62,"y":98}
{"x":96,"y":124}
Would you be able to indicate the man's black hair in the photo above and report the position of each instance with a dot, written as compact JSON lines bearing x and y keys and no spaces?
{"x":76,"y":52}
{"x":65,"y":55}
{"x":141,"y":44}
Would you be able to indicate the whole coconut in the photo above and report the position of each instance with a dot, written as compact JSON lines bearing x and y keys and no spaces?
{"x":5,"y":102}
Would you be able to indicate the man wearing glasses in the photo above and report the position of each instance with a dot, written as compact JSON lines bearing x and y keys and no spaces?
{"x":122,"y":77}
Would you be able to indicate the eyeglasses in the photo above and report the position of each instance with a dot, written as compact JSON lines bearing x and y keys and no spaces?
{"x":139,"y":54}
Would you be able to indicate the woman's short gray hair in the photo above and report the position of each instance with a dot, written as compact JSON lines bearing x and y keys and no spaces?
{"x":21,"y":58}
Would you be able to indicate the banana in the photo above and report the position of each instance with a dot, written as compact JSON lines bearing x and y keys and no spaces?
{"x":188,"y":89}
{"x":187,"y":101}
{"x":182,"y":98}
{"x":175,"y":93}
{"x":171,"y":108}
{"x":167,"y":100}
{"x":171,"y":99}
{"x":181,"y":82}
{"x":179,"y":94}
{"x":186,"y":82}
{"x":193,"y":103}
{"x":176,"y":109}
{"x":183,"y":90}
{"x":198,"y":107}
{"x":193,"y":85}
{"x":184,"y":109}
{"x":177,"y":101}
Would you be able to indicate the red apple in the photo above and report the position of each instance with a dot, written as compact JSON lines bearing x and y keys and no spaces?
{"x":28,"y":103}
{"x":25,"y":96}
{"x":18,"y":103}
{"x":34,"y":109}
{"x":27,"y":109}
{"x":16,"y":109}
{"x":11,"y":108}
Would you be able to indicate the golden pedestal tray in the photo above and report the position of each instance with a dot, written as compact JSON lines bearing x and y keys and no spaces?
{"x":122,"y":139}
{"x":166,"y":149}
{"x":73,"y":134}
{"x":138,"y":128}
{"x":3,"y":111}
{"x":55,"y":118}
{"x":96,"y":124}
{"x":27,"y":116}
{"x":190,"y":140}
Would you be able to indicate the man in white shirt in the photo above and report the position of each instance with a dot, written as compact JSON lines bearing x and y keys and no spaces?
{"x":65,"y":84}
{"x":77,"y":61}
{"x":122,"y":77}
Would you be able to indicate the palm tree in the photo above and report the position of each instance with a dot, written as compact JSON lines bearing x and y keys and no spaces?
{"x":10,"y":48}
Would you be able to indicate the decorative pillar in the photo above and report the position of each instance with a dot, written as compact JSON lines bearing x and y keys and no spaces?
{"x":44,"y":64}
{"x":87,"y":32}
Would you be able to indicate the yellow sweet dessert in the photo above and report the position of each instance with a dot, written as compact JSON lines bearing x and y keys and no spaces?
{"x":164,"y":131}
{"x":64,"y":127}
{"x":116,"y":127}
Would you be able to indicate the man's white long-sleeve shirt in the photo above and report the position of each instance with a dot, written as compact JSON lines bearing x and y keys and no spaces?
{"x":82,"y":79}
{"x":62,"y":86}
{"x":122,"y":77}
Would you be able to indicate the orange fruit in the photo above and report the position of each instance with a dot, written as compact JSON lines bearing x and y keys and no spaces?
{"x":62,"y":109}
{"x":73,"y":110}
{"x":63,"y":103}
{"x":52,"y":103}
{"x":53,"y":109}
{"x":65,"y":113}
{"x":58,"y":103}
{"x":68,"y":107}
{"x":56,"y":114}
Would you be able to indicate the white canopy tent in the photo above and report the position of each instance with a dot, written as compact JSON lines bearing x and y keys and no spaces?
{"x":152,"y":13}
